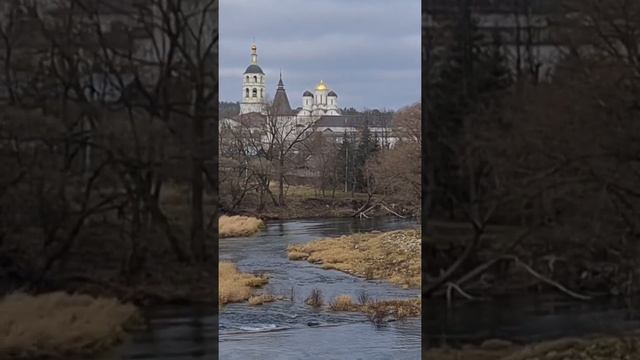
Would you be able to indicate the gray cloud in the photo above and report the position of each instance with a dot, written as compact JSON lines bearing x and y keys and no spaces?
{"x":368,"y":51}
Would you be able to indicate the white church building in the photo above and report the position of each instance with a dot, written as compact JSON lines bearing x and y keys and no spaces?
{"x":319,"y":108}
{"x":322,"y":102}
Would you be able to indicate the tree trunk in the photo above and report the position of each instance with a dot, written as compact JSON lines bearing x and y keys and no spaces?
{"x":197,"y":184}
{"x":281,"y":201}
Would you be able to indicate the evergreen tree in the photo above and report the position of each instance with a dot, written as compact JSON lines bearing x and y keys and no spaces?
{"x":367,"y":147}
{"x":228,"y":109}
{"x":349,"y":111}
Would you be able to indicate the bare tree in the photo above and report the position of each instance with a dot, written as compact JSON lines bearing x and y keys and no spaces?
{"x":396,"y":172}
{"x":286,"y":136}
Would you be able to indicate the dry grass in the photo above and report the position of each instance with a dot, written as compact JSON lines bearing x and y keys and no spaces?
{"x":398,"y":309}
{"x":392,"y":256}
{"x":296,"y":255}
{"x":238,"y":226}
{"x":341,"y":303}
{"x":235,"y":286}
{"x":61,"y":325}
{"x":378,"y":310}
{"x":261,"y":299}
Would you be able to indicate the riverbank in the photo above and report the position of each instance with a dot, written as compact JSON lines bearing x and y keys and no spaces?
{"x":62,"y":325}
{"x":512,"y":261}
{"x":304,"y":202}
{"x":623,"y":347}
{"x":391,"y":256}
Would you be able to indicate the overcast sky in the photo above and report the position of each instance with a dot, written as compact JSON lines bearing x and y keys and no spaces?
{"x":367,"y":51}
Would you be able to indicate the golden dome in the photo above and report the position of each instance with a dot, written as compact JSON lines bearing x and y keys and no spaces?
{"x":322,"y":86}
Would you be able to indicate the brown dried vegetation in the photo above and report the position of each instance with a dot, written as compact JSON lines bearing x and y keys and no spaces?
{"x":235,"y":286}
{"x":392,"y":256}
{"x":378,"y":310}
{"x":61,"y":325}
{"x":238,"y":226}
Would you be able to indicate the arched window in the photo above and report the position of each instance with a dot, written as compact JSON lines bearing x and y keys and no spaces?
{"x":255,"y":78}
{"x":255,"y":92}
{"x":261,"y":93}
{"x":247,"y":78}
{"x":247,"y":92}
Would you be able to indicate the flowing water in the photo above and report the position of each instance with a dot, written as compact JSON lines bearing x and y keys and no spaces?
{"x":283,"y":329}
{"x":525,"y":319}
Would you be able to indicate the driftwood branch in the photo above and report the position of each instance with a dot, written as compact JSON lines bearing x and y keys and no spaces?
{"x":549,"y":281}
{"x":364,"y":209}
{"x":484,"y":267}
{"x":452,"y":286}
{"x":451,"y":271}
{"x":479,"y":270}
{"x":391,"y":211}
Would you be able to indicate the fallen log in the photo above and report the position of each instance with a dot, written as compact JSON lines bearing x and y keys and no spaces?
{"x":551,"y":282}
{"x":391,"y":211}
{"x":484,"y":267}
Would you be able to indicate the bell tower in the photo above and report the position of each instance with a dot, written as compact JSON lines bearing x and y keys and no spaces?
{"x":254,"y":97}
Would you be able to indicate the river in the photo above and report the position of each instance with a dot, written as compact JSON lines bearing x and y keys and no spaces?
{"x":281,"y":330}
{"x":525,"y":319}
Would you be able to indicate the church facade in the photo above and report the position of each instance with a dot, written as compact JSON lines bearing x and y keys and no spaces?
{"x":322,"y":102}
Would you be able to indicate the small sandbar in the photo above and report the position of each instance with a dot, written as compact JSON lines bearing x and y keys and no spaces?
{"x":392,"y":256}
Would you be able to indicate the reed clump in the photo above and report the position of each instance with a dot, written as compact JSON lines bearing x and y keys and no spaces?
{"x":342,"y":303}
{"x":315,"y":298}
